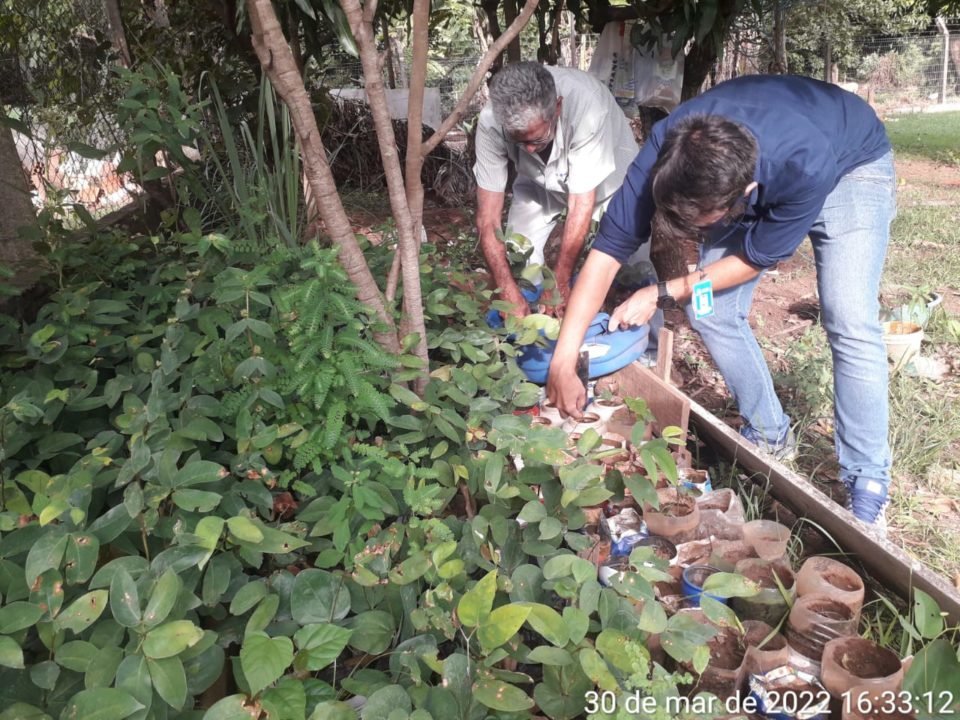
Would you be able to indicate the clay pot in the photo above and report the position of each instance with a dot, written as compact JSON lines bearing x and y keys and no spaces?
{"x":826,"y":576}
{"x":678,"y":513}
{"x":586,"y":422}
{"x":769,"y":539}
{"x":606,"y":408}
{"x":814,"y":621}
{"x":769,"y":605}
{"x":773,"y":654}
{"x":722,"y":674}
{"x":849,"y":662}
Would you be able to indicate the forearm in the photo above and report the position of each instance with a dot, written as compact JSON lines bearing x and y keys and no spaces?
{"x":588,"y":294}
{"x":575,"y":229}
{"x":489,"y":212}
{"x":727,"y":272}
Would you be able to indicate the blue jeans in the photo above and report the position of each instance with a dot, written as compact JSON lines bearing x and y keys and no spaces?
{"x":849,"y":241}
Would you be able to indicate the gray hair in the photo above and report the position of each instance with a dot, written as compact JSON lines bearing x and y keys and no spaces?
{"x":522,"y":94}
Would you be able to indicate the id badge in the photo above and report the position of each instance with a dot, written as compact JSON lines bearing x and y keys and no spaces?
{"x":702,"y":299}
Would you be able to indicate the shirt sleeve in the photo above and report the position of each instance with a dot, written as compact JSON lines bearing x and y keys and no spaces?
{"x":490,"y":170}
{"x":626,"y":223}
{"x":591,"y":155}
{"x":790,"y":215}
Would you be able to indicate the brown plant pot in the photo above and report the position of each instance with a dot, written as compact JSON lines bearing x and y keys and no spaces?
{"x":769,"y":605}
{"x":758,"y":660}
{"x":826,"y":576}
{"x":768,"y":538}
{"x":849,"y":662}
{"x":814,"y":621}
{"x":722,"y":674}
{"x":678,"y":513}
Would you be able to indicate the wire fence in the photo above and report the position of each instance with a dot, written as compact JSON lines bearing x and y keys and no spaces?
{"x":909,"y":71}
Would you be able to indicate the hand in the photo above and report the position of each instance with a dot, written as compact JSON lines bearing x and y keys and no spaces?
{"x":512,"y":294}
{"x":637,"y":310}
{"x":565,"y":390}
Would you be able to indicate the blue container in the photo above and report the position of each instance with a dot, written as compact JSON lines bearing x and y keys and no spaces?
{"x":691,"y":584}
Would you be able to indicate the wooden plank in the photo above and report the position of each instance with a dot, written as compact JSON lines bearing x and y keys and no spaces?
{"x":668,"y":405}
{"x":664,"y":354}
{"x":886,"y":562}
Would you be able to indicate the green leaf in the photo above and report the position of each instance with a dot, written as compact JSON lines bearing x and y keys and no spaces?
{"x":373,"y":631}
{"x":18,"y":616}
{"x":718,"y":613}
{"x":169,"y":680}
{"x":248,"y":596}
{"x":935,"y":669}
{"x":124,"y":599}
{"x":45,"y":674}
{"x":701,"y":658}
{"x":498,"y":695}
{"x":171,"y":639}
{"x":319,"y":597}
{"x":729,"y":585}
{"x":546,"y":655}
{"x":926,"y":615}
{"x":653,"y":618}
{"x":501,"y":625}
{"x":80,"y":560}
{"x":385,"y":703}
{"x":550,"y":528}
{"x":232,"y":707}
{"x":612,"y":645}
{"x":45,"y":554}
{"x":11,"y":654}
{"x":476,"y":603}
{"x":286,"y":701}
{"x":577,"y":621}
{"x":162,"y":599}
{"x":82,"y":612}
{"x":196,"y":500}
{"x":533,"y":511}
{"x":320,"y":644}
{"x":76,"y":655}
{"x":243,"y":529}
{"x":596,"y":669}
{"x":101,"y":704}
{"x":264,"y":614}
{"x":133,"y":676}
{"x":547,"y":621}
{"x":198,"y":472}
{"x":264,"y":659}
{"x":329,"y":710}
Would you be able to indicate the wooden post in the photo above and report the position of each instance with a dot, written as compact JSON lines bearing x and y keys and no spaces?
{"x":664,"y":354}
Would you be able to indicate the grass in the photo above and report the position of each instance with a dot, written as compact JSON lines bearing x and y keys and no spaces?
{"x":934,"y":136}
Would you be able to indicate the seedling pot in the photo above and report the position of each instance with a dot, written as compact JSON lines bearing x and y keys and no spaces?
{"x":662,"y":547}
{"x":770,"y":604}
{"x":849,"y":662}
{"x":678,"y":513}
{"x":826,"y":576}
{"x":902,"y":340}
{"x":773,"y":654}
{"x":769,"y":539}
{"x":814,"y":621}
{"x":722,"y":674}
{"x":691,"y":584}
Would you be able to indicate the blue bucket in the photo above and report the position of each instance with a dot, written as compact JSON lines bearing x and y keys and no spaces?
{"x":691,"y":584}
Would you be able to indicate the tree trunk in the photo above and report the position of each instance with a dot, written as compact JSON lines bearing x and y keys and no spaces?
{"x":117,"y":35}
{"x":388,"y":51}
{"x":16,"y":211}
{"x":509,"y":15}
{"x":277,"y":61}
{"x":780,"y":66}
{"x":361,"y":23}
{"x":493,"y":21}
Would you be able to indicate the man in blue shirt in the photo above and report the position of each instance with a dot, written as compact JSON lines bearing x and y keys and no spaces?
{"x":750,"y":168}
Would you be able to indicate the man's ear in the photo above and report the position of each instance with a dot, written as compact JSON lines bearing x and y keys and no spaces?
{"x":750,"y":188}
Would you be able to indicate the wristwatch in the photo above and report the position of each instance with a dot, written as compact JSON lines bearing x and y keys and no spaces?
{"x":664,"y":298}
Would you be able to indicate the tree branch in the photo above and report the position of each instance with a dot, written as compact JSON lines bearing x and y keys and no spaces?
{"x":478,"y":76}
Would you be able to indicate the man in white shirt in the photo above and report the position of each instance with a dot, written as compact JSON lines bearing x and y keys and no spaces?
{"x":571,"y":146}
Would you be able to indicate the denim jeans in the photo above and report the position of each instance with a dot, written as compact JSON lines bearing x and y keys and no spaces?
{"x":849,"y":241}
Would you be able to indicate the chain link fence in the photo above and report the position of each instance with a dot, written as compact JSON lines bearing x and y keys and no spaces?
{"x":909,"y":71}
{"x":57,"y":87}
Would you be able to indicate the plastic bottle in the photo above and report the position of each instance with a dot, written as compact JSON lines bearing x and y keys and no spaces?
{"x":826,"y":576}
{"x":814,"y":621}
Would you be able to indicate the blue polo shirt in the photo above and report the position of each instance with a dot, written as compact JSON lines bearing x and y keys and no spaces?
{"x":809,"y":133}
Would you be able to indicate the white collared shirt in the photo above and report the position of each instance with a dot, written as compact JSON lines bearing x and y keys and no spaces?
{"x":592,"y":149}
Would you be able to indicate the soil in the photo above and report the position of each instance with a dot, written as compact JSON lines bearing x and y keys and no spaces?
{"x":764,"y":576}
{"x":726,"y":651}
{"x":662,"y":548}
{"x":866,"y":661}
{"x":676,"y":509}
{"x":841,"y":581}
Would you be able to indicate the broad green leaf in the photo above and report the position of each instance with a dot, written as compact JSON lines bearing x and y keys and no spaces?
{"x":532,"y":512}
{"x":243,"y":529}
{"x":80,"y":559}
{"x":248,"y":596}
{"x":718,"y":613}
{"x":162,"y":599}
{"x":133,"y":676}
{"x":729,"y":585}
{"x":82,"y":612}
{"x":612,"y":645}
{"x":198,"y":472}
{"x":926,"y":615}
{"x":935,"y":669}
{"x":169,"y":680}
{"x":547,"y":621}
{"x":596,"y":669}
{"x":101,"y":704}
{"x":476,"y":603}
{"x":232,"y":707}
{"x":263,"y":615}
{"x":373,"y":631}
{"x":578,"y":622}
{"x":559,"y":566}
{"x":387,"y":702}
{"x":45,"y":674}
{"x":286,"y":701}
{"x":19,"y":615}
{"x":264,"y":659}
{"x":546,"y":655}
{"x":319,"y":597}
{"x":701,"y":658}
{"x":75,"y":655}
{"x":329,"y":710}
{"x":319,"y":645}
{"x":11,"y":655}
{"x":171,"y":639}
{"x":103,"y":667}
{"x":498,"y":695}
{"x":653,"y":618}
{"x":45,"y":554}
{"x":501,"y":625}
{"x":196,"y":500}
{"x":124,"y":599}
{"x":22,"y":711}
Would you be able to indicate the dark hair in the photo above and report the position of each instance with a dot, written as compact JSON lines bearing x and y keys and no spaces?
{"x":521,"y":94}
{"x":704,"y":165}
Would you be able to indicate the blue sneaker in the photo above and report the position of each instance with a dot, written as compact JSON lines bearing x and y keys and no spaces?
{"x":867,"y":499}
{"x":783,"y":450}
